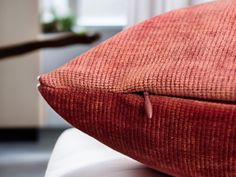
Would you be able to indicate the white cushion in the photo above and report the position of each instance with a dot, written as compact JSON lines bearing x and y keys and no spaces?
{"x":79,"y":155}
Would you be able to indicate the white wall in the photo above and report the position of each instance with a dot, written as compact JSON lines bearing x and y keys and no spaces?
{"x":19,"y":99}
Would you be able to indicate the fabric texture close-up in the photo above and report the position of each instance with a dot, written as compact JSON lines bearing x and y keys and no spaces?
{"x":184,"y":63}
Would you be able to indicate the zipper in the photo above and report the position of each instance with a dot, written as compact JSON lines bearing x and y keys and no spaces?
{"x":147,"y":105}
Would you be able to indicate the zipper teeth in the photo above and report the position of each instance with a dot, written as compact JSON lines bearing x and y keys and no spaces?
{"x":137,"y":93}
{"x":148,"y":105}
{"x":190,"y":98}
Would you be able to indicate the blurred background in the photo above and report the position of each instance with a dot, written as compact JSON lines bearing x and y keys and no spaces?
{"x":29,"y":128}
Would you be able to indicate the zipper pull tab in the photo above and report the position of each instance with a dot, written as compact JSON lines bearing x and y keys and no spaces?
{"x":147,"y":105}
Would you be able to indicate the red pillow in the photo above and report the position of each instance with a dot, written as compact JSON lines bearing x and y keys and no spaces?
{"x":162,"y":92}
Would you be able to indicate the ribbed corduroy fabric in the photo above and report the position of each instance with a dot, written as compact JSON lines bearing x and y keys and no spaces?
{"x":186,"y":60}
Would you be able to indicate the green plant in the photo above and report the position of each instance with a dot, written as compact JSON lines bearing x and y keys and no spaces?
{"x":59,"y":23}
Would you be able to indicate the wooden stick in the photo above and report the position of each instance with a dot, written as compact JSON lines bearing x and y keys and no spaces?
{"x":70,"y":39}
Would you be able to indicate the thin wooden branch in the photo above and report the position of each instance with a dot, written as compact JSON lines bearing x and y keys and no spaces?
{"x":70,"y":39}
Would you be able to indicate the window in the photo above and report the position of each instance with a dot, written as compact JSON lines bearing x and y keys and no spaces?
{"x":102,"y":12}
{"x":47,"y":8}
{"x":87,"y":12}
